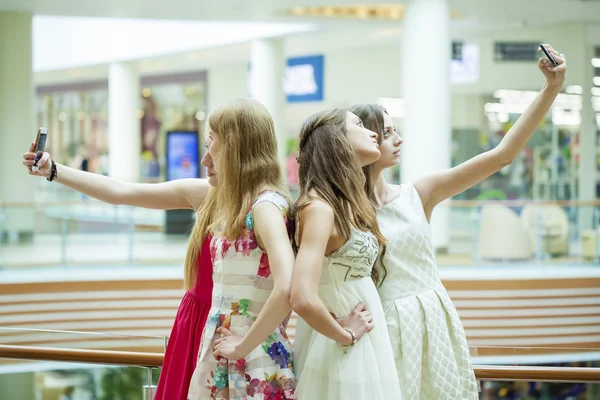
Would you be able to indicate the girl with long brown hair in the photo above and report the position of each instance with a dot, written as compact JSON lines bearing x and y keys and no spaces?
{"x":337,"y":242}
{"x":429,"y":342}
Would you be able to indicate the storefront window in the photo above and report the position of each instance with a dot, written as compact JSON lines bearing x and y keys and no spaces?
{"x":77,"y":115}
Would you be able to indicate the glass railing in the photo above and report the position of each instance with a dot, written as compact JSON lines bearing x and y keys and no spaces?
{"x":545,"y":372}
{"x":86,"y":232}
{"x":525,"y":231}
{"x":44,"y":363}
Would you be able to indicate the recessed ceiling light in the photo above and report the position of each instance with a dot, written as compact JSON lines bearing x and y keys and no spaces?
{"x":381,"y":11}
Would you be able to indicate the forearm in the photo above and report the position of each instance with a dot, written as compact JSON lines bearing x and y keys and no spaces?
{"x":518,"y":136}
{"x":318,"y":317}
{"x":275,"y":311}
{"x":97,"y":186}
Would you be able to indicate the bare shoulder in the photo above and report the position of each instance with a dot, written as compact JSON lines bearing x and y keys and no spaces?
{"x":316,"y":225}
{"x":316,"y":209}
{"x":316,"y":217}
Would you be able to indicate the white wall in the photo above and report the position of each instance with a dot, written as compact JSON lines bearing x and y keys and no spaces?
{"x":364,"y":74}
{"x":226,"y":82}
{"x":362,"y":65}
{"x":569,"y":39}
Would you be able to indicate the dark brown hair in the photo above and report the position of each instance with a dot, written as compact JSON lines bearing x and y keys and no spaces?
{"x":329,"y":165}
{"x":371,"y":116}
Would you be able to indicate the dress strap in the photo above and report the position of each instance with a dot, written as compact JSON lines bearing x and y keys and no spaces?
{"x":272,"y":196}
{"x":267,"y":196}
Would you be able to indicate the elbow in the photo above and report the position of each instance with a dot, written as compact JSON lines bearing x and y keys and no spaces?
{"x":503,"y":158}
{"x":283,"y":295}
{"x":504,"y":163}
{"x":300,"y":303}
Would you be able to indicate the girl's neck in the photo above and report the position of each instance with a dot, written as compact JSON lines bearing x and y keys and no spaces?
{"x":381,"y":189}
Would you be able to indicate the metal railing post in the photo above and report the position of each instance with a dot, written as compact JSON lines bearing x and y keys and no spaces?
{"x":149,"y":390}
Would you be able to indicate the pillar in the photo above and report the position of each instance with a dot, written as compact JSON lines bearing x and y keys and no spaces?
{"x":17,"y":126}
{"x":124,"y":135}
{"x":426,"y":93}
{"x":266,"y":85}
{"x":587,"y":171}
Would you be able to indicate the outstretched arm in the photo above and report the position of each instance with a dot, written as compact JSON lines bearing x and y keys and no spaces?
{"x":177,"y":194}
{"x":443,"y":185}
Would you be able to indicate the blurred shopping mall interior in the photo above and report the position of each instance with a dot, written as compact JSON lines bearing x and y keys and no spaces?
{"x":121,"y":85}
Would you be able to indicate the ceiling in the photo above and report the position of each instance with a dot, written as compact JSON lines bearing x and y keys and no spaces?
{"x":65,"y":42}
{"x":480,"y":14}
{"x":477,"y":18}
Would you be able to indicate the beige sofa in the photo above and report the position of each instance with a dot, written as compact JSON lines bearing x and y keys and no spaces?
{"x":502,"y":235}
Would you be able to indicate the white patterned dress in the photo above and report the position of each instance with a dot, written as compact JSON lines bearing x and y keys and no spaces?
{"x":430,"y":346}
{"x":242,"y":284}
{"x":367,"y":371}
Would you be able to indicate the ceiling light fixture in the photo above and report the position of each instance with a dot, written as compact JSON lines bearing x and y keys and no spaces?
{"x":381,"y":11}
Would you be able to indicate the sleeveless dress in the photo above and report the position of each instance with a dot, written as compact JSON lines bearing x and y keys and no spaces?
{"x":430,"y":346}
{"x":184,"y":341}
{"x":242,"y":284}
{"x":367,"y":371}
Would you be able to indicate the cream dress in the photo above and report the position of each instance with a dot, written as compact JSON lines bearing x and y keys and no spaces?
{"x":428,"y":339}
{"x":367,"y":371}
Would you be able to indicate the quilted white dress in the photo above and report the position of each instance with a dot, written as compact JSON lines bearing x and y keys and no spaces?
{"x":428,"y":339}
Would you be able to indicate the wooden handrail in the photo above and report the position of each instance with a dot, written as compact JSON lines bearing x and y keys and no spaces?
{"x":537,"y":374}
{"x":123,"y":358}
{"x":154,"y":360}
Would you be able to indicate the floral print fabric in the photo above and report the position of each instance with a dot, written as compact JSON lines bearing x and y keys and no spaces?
{"x":242,"y":284}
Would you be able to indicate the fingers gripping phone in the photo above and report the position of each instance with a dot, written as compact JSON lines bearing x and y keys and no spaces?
{"x":547,"y":53}
{"x":40,"y":144}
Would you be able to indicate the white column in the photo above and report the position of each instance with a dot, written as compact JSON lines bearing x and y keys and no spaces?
{"x":587,"y":144}
{"x":17,"y":122}
{"x":124,"y":137}
{"x":267,"y":67}
{"x":426,"y":93}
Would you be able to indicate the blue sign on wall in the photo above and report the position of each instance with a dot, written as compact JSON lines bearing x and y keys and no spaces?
{"x":302,"y":80}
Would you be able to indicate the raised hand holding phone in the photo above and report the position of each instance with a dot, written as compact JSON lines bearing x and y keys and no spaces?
{"x":40,"y":145}
{"x":36,"y":160}
{"x":548,"y":56}
{"x":553,"y":66}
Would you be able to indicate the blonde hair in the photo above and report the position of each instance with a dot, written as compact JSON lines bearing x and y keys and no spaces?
{"x":247,"y":162}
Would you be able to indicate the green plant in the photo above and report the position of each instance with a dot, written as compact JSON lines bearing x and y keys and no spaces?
{"x":125,"y":383}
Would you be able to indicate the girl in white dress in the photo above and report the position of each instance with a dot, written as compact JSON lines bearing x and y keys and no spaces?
{"x":429,"y":342}
{"x":338,"y":242}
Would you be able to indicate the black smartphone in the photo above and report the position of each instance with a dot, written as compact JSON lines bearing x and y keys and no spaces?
{"x":547,"y":53}
{"x":40,"y":145}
